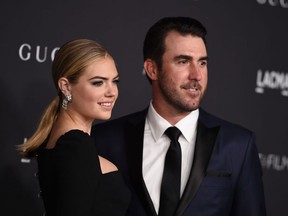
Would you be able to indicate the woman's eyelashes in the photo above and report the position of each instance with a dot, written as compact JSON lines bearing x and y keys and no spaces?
{"x":97,"y":82}
{"x":101,"y":82}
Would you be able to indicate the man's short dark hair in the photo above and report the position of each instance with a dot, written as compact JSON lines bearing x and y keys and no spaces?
{"x":154,"y":43}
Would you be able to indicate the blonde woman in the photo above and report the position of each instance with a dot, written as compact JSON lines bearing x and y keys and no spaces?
{"x":74,"y":180}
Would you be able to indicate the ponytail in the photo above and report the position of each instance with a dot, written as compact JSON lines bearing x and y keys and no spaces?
{"x":44,"y":128}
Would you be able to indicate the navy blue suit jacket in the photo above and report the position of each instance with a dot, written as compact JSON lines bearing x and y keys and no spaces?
{"x":225,"y":179}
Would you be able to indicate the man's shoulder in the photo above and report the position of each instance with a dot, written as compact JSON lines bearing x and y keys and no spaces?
{"x":211,"y":120}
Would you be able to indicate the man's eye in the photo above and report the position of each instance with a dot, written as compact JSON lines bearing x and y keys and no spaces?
{"x":203,"y":63}
{"x":116,"y":81}
{"x":183,"y":61}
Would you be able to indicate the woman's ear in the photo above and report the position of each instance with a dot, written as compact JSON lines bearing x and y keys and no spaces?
{"x":151,"y":69}
{"x":64,"y":85}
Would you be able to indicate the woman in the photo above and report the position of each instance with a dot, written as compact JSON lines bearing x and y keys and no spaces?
{"x":73,"y":180}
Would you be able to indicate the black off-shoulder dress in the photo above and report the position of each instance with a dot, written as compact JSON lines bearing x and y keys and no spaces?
{"x":71,"y":181}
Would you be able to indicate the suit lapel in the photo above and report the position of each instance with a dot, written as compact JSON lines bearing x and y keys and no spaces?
{"x":134,"y":133}
{"x":205,"y":140}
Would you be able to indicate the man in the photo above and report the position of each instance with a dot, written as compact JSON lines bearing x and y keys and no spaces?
{"x":220,"y":169}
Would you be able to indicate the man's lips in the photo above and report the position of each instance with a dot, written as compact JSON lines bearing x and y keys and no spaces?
{"x":192,"y":86}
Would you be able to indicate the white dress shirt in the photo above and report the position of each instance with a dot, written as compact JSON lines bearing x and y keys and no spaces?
{"x":156,"y":144}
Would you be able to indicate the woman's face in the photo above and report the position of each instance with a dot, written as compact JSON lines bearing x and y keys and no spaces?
{"x":95,"y":93}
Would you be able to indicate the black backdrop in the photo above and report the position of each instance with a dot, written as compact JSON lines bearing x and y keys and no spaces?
{"x":248,"y":75}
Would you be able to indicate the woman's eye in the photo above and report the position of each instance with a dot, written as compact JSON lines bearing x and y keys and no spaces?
{"x":97,"y":83}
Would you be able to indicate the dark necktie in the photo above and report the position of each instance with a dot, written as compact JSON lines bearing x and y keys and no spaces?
{"x":171,"y":180}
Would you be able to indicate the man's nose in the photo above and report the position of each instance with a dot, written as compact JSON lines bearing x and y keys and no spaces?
{"x":195,"y":72}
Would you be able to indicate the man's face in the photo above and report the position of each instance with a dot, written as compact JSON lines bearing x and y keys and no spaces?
{"x":182,"y":82}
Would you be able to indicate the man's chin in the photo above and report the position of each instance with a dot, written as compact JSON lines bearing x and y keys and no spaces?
{"x":191,"y":107}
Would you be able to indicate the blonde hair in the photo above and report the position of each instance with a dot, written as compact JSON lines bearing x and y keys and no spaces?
{"x":70,"y":61}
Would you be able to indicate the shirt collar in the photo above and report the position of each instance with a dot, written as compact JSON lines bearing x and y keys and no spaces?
{"x":158,"y":124}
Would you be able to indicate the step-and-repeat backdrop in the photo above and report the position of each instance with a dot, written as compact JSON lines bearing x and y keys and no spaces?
{"x":248,"y":75}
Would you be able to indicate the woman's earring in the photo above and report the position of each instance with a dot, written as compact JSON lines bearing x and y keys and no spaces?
{"x":66,"y":100}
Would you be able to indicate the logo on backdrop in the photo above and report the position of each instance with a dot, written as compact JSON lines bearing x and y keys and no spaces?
{"x":274,"y":162}
{"x":39,"y":53}
{"x":272,"y":80}
{"x":281,"y":3}
{"x":25,"y":160}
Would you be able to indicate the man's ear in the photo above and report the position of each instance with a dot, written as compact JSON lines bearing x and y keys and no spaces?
{"x":151,"y":69}
{"x":64,"y":86}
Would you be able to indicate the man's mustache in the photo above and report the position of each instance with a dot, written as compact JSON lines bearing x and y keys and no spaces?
{"x":192,"y":85}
